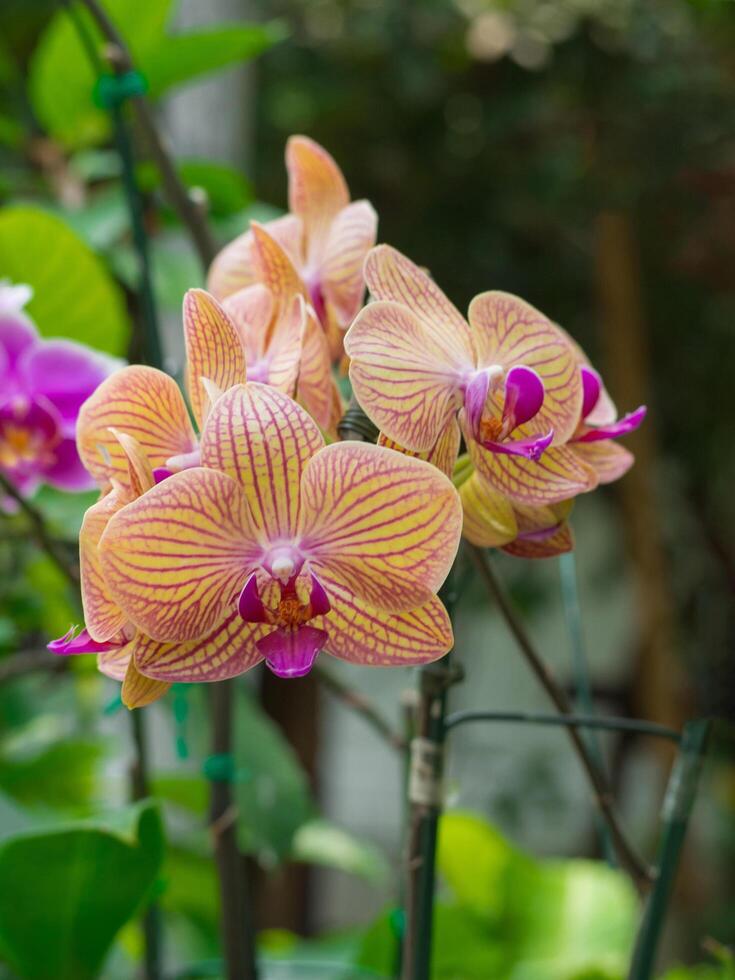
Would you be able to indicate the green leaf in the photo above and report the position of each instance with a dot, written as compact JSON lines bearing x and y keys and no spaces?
{"x":66,"y":892}
{"x":60,"y":775}
{"x":227,"y":190}
{"x":321,"y":842}
{"x":183,"y":57}
{"x":73,"y":294}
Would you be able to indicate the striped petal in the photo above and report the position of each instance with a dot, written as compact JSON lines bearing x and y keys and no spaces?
{"x":508,"y":331}
{"x":351,"y":237}
{"x":488,"y":518}
{"x":226,"y":651}
{"x":102,"y":615}
{"x":385,"y":525}
{"x":251,"y":310}
{"x":274,"y":269}
{"x":609,"y":460}
{"x":405,"y":375}
{"x":317,"y":191}
{"x":443,"y":453}
{"x":558,"y":475}
{"x":543,"y":532}
{"x":263,"y":440}
{"x":233,"y":269}
{"x":144,"y":403}
{"x":176,"y":558}
{"x":317,"y":389}
{"x":391,"y":276}
{"x":361,"y":634}
{"x":213,"y":350}
{"x":139,"y":690}
{"x":284,"y":352}
{"x":114,"y":663}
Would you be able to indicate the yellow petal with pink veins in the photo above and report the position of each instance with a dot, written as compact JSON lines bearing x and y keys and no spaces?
{"x":443,"y":454}
{"x":488,"y":521}
{"x":351,"y":237}
{"x":544,"y":532}
{"x":509,"y":332}
{"x":143,"y":403}
{"x":609,"y":460}
{"x":139,"y":690}
{"x":361,"y":634}
{"x":140,"y":472}
{"x":233,"y":269}
{"x":275,"y":269}
{"x":176,"y":558}
{"x":317,"y":390}
{"x":558,"y":475}
{"x":113,"y":663}
{"x":252,"y":310}
{"x":103,"y":616}
{"x":262,"y":439}
{"x":405,"y":375}
{"x":317,"y":191}
{"x":284,"y":351}
{"x":213,"y":350}
{"x":392,"y":277}
{"x":226,"y":651}
{"x":383,"y":524}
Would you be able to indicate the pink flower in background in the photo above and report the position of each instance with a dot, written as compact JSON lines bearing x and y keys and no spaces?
{"x":43,"y":384}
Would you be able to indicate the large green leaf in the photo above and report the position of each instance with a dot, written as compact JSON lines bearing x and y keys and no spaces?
{"x":68,"y":111}
{"x":61,"y":774}
{"x":65,"y":893}
{"x":322,"y":842}
{"x":73,"y":294}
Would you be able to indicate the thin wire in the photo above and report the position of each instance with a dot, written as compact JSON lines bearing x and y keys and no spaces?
{"x":608,"y":724}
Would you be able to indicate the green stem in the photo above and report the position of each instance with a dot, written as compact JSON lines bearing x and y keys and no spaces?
{"x":677,"y":807}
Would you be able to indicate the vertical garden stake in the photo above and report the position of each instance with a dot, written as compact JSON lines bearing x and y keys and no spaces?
{"x":676,"y":810}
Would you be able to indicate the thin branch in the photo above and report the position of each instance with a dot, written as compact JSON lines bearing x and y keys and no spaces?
{"x":601,"y":723}
{"x":186,"y":206}
{"x":41,"y":533}
{"x":638,"y":869}
{"x":30,"y":662}
{"x":361,"y":705}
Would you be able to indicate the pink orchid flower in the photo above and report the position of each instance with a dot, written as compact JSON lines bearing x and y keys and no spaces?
{"x":599,"y":425}
{"x":43,"y":383}
{"x":325,"y":237}
{"x":507,"y":379}
{"x":278,"y":547}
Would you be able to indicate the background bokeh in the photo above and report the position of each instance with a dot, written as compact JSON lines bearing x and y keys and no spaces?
{"x":579,"y":153}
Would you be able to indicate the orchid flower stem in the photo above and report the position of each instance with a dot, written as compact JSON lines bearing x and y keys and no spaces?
{"x":425,"y":799}
{"x":185,"y":205}
{"x":361,"y":705}
{"x":140,"y":789}
{"x":636,"y":867}
{"x":237,"y":933}
{"x":580,"y":668}
{"x":41,"y":533}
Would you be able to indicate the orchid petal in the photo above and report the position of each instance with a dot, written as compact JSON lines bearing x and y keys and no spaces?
{"x":559,"y":474}
{"x":140,"y":473}
{"x":475,"y":399}
{"x":318,"y":598}
{"x":262,"y":439}
{"x":609,"y":460}
{"x":292,"y":652}
{"x":18,"y":336}
{"x":623,"y":427}
{"x":275,"y":269}
{"x":67,"y":472}
{"x":351,"y":236}
{"x":146,"y":404}
{"x":139,"y":690}
{"x":114,"y":663}
{"x":362,"y":634}
{"x":226,"y":651}
{"x":507,"y":331}
{"x":213,"y":350}
{"x":524,"y":396}
{"x":70,"y":644}
{"x":251,"y":310}
{"x":176,"y":558}
{"x":443,"y":453}
{"x":233,"y":269}
{"x":555,"y":541}
{"x":317,"y":390}
{"x":385,"y":525}
{"x":392,"y":277}
{"x":532,"y":448}
{"x":102,"y":614}
{"x":317,"y":191}
{"x":285,"y":347}
{"x":66,"y":373}
{"x":591,"y":388}
{"x":489,"y":521}
{"x":405,"y":375}
{"x":250,"y":605}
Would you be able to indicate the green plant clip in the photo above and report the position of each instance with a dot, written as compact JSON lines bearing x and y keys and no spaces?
{"x":113,"y":705}
{"x":221,"y":769}
{"x":110,"y":91}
